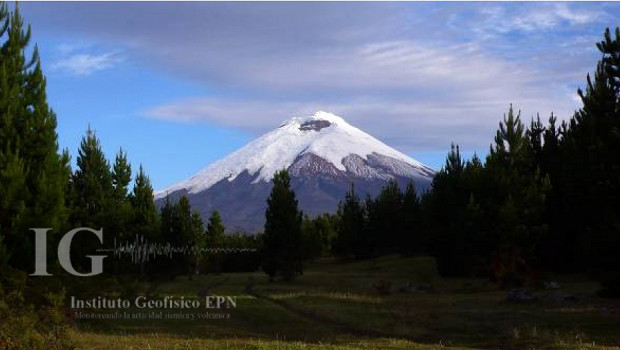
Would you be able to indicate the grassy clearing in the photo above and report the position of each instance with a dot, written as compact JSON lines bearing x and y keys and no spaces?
{"x":90,"y":340}
{"x":338,"y":306}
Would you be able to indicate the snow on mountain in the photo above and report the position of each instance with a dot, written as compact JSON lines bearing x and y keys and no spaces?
{"x":295,"y":142}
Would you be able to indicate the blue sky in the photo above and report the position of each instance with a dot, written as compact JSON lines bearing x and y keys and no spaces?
{"x":180,"y":85}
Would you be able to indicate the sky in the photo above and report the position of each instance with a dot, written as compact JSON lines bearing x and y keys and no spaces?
{"x":181,"y":85}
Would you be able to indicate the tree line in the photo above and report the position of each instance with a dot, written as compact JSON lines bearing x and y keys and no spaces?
{"x":39,"y":189}
{"x":545,"y":198}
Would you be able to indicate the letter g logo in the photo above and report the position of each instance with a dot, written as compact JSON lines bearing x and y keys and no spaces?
{"x":64,"y":252}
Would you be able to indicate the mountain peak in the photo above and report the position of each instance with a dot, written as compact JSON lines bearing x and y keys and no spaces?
{"x":317,"y":116}
{"x":322,"y":134}
{"x":323,"y":154}
{"x":316,"y":122}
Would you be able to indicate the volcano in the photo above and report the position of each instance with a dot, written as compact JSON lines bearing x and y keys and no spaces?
{"x":323,"y":154}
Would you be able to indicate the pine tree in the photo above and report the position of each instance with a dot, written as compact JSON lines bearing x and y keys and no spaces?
{"x":121,"y":176}
{"x":190,"y":234}
{"x":536,"y":134}
{"x":120,"y":209}
{"x":168,"y":266}
{"x":591,"y":169}
{"x":144,"y":212}
{"x":91,"y":199}
{"x":317,"y":235}
{"x":412,"y":240}
{"x":215,"y":229}
{"x":443,"y":211}
{"x":391,"y":234}
{"x":520,"y":191}
{"x":282,"y":237}
{"x":28,"y":145}
{"x":91,"y":184}
{"x":197,"y":240}
{"x":182,"y":227}
{"x":33,"y":180}
{"x":143,"y":219}
{"x":168,"y":215}
{"x":214,"y":239}
{"x":351,"y":239}
{"x":311,"y":238}
{"x":12,"y":203}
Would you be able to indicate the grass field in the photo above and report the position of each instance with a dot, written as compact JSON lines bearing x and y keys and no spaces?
{"x":364,"y":305}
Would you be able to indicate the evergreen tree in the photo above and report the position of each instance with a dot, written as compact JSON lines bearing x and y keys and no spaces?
{"x":182,"y":227}
{"x":443,"y":211}
{"x":412,"y":240}
{"x":559,"y":250}
{"x":12,"y":203}
{"x":91,"y":184}
{"x":92,"y":198}
{"x":28,"y":146}
{"x":536,"y":134}
{"x":215,"y":229}
{"x":456,"y":217}
{"x":190,"y":234}
{"x":168,"y":218}
{"x":121,"y":176}
{"x":591,"y":168}
{"x":144,"y":212}
{"x":326,"y":226}
{"x":282,"y":237}
{"x":215,"y":239}
{"x":352,"y":239}
{"x":120,"y":208}
{"x":196,"y":240}
{"x":520,"y":191}
{"x":389,"y":233}
{"x":317,"y":235}
{"x":311,"y":240}
{"x":170,"y":266}
{"x":33,"y":179}
{"x":143,"y":220}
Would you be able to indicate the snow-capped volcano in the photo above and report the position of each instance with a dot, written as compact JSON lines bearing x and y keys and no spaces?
{"x":324,"y":155}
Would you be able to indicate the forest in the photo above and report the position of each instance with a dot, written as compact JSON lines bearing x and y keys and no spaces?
{"x":544,"y":200}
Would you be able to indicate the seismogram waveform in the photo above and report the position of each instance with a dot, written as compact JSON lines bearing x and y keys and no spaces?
{"x":141,"y":250}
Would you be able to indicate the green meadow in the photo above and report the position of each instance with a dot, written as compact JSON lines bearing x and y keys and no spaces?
{"x":369,"y":305}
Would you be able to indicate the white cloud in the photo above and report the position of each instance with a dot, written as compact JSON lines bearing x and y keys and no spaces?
{"x":423,"y":74}
{"x":547,"y":17}
{"x":532,"y":18}
{"x":83,"y":64}
{"x":416,"y":96}
{"x":578,"y":17}
{"x":414,"y":125}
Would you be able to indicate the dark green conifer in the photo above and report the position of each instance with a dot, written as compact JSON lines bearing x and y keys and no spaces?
{"x":520,"y":194}
{"x":91,"y":184}
{"x":144,"y":212}
{"x":214,"y":236}
{"x":351,"y":240}
{"x":121,"y":176}
{"x":282,"y":237}
{"x":28,"y":145}
{"x":591,"y":169}
{"x":412,"y":240}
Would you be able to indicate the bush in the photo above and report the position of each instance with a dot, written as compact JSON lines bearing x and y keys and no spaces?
{"x":25,"y":326}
